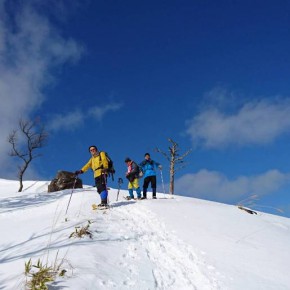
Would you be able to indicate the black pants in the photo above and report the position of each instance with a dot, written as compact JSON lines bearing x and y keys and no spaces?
{"x":100,"y":182}
{"x":147,"y":180}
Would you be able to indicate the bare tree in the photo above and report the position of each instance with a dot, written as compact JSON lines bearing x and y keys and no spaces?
{"x":34,"y":137}
{"x":174,"y":159}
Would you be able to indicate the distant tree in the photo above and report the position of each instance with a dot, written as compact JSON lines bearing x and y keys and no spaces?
{"x":174,"y":159}
{"x":34,"y":137}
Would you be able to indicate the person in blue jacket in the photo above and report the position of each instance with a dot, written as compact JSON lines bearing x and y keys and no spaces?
{"x":148,"y":167}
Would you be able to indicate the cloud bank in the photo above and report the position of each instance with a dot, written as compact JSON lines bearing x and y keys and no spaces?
{"x":256,"y":122}
{"x":215,"y":186}
{"x":30,"y":47}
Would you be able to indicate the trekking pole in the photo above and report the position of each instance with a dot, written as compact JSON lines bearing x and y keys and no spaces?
{"x":71,"y":193}
{"x":120,"y":181}
{"x":162,"y":182}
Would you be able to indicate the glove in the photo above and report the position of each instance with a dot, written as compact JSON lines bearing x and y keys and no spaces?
{"x":160,"y":167}
{"x":77,"y":172}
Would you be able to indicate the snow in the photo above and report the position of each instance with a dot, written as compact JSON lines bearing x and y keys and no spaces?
{"x":167,"y":243}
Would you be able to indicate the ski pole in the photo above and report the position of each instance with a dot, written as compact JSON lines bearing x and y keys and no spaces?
{"x":71,"y":193}
{"x":120,"y":181}
{"x":162,"y":182}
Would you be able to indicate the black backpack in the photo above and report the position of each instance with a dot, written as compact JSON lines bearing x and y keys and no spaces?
{"x":139,"y":171}
{"x":111,"y":170}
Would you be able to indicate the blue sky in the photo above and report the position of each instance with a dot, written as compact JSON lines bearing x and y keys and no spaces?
{"x":128,"y":75}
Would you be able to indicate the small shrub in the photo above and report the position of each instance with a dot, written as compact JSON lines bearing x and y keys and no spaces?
{"x":38,"y":275}
{"x":81,"y":232}
{"x":251,"y":201}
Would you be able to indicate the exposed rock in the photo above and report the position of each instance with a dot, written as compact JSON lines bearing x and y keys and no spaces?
{"x":64,"y":180}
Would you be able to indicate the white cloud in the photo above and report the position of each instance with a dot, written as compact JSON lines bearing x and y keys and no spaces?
{"x":99,"y":112}
{"x":216,"y":186}
{"x":29,"y":48}
{"x":254,"y":123}
{"x":73,"y":120}
{"x":68,"y":122}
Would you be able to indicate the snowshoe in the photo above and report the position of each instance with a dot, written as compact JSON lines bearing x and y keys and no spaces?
{"x":100,"y":206}
{"x":132,"y":198}
{"x":128,"y":197}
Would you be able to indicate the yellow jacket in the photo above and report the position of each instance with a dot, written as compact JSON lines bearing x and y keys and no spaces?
{"x":97,"y":163}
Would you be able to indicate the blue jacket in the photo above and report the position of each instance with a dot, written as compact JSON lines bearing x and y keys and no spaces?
{"x":148,"y":167}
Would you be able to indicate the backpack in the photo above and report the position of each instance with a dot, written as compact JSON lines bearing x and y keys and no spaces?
{"x":111,"y":170}
{"x":140,"y":171}
{"x":137,"y":170}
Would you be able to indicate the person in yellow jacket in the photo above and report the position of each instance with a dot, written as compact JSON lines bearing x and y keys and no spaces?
{"x":99,"y":164}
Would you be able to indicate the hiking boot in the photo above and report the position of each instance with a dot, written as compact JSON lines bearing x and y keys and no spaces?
{"x":128,"y":197}
{"x":102,"y":205}
{"x":143,"y":197}
{"x":154,"y":197}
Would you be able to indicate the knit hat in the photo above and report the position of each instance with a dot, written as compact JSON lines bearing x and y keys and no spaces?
{"x":127,"y":159}
{"x":146,"y":154}
{"x":93,"y":146}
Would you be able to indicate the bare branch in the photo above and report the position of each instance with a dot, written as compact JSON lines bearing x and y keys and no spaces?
{"x":35,"y":136}
{"x":184,"y":155}
{"x":174,"y":158}
{"x":183,"y":165}
{"x":163,"y":153}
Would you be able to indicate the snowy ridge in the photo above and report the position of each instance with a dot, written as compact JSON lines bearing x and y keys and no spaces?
{"x":180,"y":243}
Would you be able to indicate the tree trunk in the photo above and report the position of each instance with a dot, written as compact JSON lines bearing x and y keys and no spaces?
{"x":171,"y":177}
{"x":21,"y":183}
{"x":174,"y":159}
{"x":171,"y":185}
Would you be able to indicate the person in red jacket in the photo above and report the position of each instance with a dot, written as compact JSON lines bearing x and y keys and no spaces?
{"x":132,"y":175}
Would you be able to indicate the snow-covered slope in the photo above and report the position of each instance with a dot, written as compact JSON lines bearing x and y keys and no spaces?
{"x":179,"y":243}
